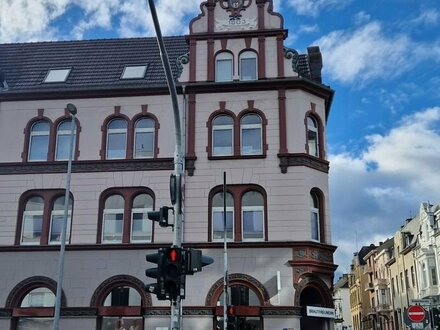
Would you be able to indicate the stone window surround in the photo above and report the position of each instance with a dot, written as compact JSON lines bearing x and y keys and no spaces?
{"x":49,"y":196}
{"x":53,"y":129}
{"x":128,"y":193}
{"x":321,"y":214}
{"x":236,"y":131}
{"x":312,"y":114}
{"x":130,"y":131}
{"x":237,"y":191}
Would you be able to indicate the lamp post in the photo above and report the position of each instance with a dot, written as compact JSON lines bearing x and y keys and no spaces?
{"x":56,"y":321}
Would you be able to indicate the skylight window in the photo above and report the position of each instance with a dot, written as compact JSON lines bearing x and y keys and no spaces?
{"x":134,"y":72}
{"x":57,"y":75}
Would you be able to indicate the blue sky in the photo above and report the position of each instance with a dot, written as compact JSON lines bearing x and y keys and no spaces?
{"x":382,"y":58}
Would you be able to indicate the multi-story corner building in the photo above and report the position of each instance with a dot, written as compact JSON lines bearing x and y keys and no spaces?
{"x":426,"y":254}
{"x":360,"y":304}
{"x":251,"y":107}
{"x":341,"y":297}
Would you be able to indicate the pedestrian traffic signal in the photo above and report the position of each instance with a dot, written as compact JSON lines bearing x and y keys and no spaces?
{"x":160,"y":216}
{"x":232,"y":320}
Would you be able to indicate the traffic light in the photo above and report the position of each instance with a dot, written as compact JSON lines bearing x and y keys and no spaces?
{"x":194,"y":261}
{"x":172,"y":272}
{"x":158,"y":287}
{"x":231,"y":317}
{"x":160,"y":216}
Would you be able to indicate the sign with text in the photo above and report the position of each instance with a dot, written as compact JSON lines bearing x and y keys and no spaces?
{"x":321,"y":312}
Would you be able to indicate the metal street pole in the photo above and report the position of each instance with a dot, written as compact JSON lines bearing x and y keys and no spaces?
{"x":225,"y":259}
{"x":56,"y":321}
{"x":178,"y":156}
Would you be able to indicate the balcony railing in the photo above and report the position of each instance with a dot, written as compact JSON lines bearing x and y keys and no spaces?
{"x":383,"y":308}
{"x":382,"y":283}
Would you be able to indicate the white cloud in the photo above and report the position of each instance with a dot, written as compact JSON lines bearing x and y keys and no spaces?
{"x":308,"y":28}
{"x":428,"y":17}
{"x":387,"y":182}
{"x":367,"y":53}
{"x":361,"y":17}
{"x":33,"y":20}
{"x":313,"y":7}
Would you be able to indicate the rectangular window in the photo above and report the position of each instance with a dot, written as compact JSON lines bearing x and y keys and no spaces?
{"x":217,"y":224}
{"x":433,"y":276}
{"x":315,"y":225}
{"x":251,"y":140}
{"x":222,"y":142}
{"x":144,"y":142}
{"x":112,"y":323}
{"x":32,"y":226}
{"x":248,"y":69}
{"x":140,"y":226}
{"x":116,"y":144}
{"x":413,"y":277}
{"x":113,"y":224}
{"x":37,"y":323}
{"x":56,"y":226}
{"x":253,"y":223}
{"x":38,"y":147}
{"x":56,"y":75}
{"x":224,"y":70}
{"x":406,"y":278}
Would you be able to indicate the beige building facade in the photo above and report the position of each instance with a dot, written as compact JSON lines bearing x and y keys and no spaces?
{"x":250,"y":107}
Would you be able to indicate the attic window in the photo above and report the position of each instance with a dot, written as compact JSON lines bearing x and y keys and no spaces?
{"x":134,"y":72}
{"x":56,"y":75}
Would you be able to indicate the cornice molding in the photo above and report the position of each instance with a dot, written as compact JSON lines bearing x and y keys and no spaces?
{"x":301,"y":159}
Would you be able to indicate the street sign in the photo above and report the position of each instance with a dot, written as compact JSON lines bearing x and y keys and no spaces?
{"x":416,"y":313}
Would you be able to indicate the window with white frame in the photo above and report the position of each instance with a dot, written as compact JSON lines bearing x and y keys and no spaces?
{"x":314,"y":216}
{"x":251,"y":135}
{"x":140,"y":224}
{"x":39,"y":141}
{"x":252,"y":208}
{"x":63,"y":140}
{"x":144,"y":132}
{"x":312,"y":136}
{"x":113,"y":219}
{"x":32,"y":223}
{"x":37,"y":298}
{"x":117,"y":139}
{"x":224,"y":67}
{"x":57,"y":220}
{"x":218,"y":227}
{"x":223,"y":136}
{"x":248,"y":65}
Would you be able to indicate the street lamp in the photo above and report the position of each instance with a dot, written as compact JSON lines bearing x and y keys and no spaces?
{"x":72,"y":110}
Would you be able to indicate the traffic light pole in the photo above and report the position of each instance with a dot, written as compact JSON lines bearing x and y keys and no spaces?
{"x":178,"y":156}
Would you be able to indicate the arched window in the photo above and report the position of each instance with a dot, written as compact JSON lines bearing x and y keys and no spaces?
{"x":39,"y":297}
{"x":141,"y":227}
{"x":251,"y":135}
{"x":144,"y":133}
{"x":218,"y":217}
{"x":113,"y":219}
{"x":252,"y":208}
{"x":39,"y":141}
{"x":224,"y":67}
{"x":32,"y":223}
{"x":117,"y":139}
{"x":63,"y":140}
{"x":248,"y":65}
{"x":122,"y":296}
{"x":123,"y":215}
{"x":57,"y":220}
{"x":223,"y":136}
{"x":314,"y":216}
{"x":312,"y":136}
{"x":242,"y":298}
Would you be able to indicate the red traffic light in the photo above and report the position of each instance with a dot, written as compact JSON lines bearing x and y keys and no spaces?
{"x":172,"y":255}
{"x":231,"y":310}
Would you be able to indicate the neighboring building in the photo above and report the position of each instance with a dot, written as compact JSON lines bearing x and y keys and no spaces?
{"x":358,"y":282}
{"x":341,"y":297}
{"x":251,"y":108}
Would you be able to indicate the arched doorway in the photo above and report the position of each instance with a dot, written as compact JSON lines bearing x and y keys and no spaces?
{"x":310,"y":297}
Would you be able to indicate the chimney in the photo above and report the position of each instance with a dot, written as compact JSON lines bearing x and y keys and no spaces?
{"x":315,"y":63}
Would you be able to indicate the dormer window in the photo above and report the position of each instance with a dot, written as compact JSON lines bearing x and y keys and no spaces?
{"x":57,"y":75}
{"x":134,"y":72}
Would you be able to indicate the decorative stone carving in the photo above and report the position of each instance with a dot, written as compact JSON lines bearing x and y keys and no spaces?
{"x":180,"y":62}
{"x":292,"y":54}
